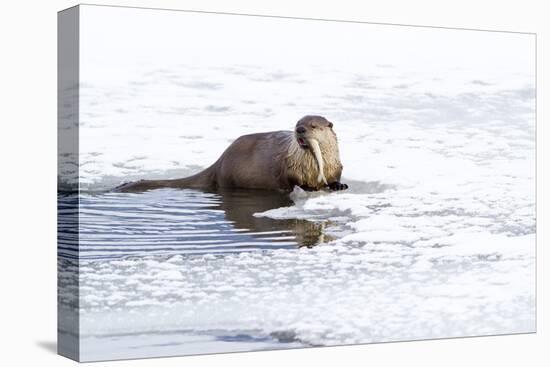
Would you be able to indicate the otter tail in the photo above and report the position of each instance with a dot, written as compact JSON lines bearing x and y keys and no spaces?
{"x":203,"y":180}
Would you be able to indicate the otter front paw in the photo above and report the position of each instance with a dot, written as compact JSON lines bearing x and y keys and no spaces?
{"x":307,"y":188}
{"x":337,"y":186}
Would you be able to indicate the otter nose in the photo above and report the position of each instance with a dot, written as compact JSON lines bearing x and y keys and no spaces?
{"x":301,"y":130}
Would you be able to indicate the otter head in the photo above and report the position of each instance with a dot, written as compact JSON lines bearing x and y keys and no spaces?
{"x":315,"y":134}
{"x":314,"y":128}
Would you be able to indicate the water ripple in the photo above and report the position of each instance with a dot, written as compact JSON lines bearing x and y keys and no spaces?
{"x":171,"y":222}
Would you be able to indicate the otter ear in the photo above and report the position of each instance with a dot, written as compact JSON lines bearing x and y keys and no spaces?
{"x":330,"y":125}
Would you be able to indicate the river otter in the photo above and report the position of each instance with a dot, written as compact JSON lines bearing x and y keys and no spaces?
{"x":307,"y":157}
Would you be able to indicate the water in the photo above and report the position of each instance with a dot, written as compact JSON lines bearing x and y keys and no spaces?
{"x":157,"y":226}
{"x":169,"y":221}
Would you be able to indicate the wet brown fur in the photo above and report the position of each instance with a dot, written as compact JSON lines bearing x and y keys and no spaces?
{"x":270,"y":161}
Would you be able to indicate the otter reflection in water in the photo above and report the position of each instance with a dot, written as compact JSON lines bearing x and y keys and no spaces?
{"x":240,"y":206}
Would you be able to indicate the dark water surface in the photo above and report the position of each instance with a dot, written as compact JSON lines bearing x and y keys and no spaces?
{"x":171,"y":221}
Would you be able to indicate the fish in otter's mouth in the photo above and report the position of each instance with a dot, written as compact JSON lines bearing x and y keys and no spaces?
{"x":313,"y":146}
{"x":319,"y":158}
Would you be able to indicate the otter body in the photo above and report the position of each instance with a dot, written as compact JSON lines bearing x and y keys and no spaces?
{"x":278,"y":160}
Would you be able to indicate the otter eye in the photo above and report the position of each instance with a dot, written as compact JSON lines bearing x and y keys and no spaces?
{"x":330,"y":125}
{"x":313,"y":126}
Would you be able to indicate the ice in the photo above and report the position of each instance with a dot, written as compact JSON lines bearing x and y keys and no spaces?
{"x":331,"y":294}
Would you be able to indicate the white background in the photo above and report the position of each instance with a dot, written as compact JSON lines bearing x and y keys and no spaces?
{"x":28,"y":165}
